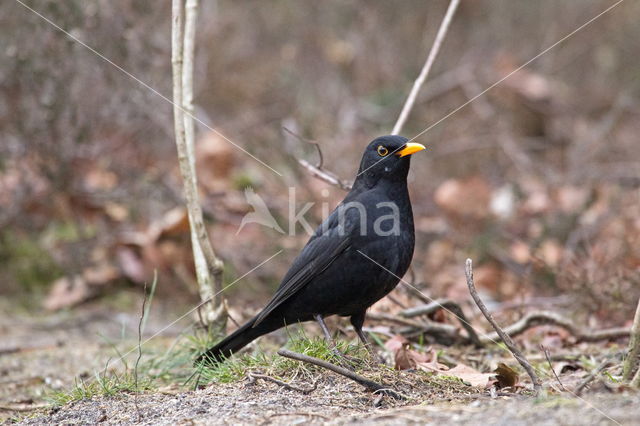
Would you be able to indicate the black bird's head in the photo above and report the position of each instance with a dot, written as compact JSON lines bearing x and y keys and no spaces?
{"x":388,"y":158}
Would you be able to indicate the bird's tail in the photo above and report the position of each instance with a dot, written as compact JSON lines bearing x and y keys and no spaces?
{"x":236,"y":341}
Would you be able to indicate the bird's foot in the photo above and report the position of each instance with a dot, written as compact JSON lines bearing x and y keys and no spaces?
{"x":345,"y":360}
{"x":375,"y":357}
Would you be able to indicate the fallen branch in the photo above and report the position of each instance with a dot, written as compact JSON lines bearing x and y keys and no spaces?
{"x":450,"y":306}
{"x":444,"y":334}
{"x":254,"y":376}
{"x":298,"y":413}
{"x":537,"y":385}
{"x":535,"y":319}
{"x":592,"y":376}
{"x":411,"y":99}
{"x":633,"y":354}
{"x":368,"y":384}
{"x":21,"y":408}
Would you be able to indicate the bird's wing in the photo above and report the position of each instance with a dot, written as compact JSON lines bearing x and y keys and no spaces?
{"x":330,"y":240}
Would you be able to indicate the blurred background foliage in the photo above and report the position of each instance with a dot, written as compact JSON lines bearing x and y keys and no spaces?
{"x":537,"y":180}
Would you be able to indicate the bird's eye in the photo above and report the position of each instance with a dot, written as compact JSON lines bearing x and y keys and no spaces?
{"x":382,"y":151}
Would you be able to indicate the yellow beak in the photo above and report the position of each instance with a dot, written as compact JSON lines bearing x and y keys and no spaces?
{"x":410,"y":148}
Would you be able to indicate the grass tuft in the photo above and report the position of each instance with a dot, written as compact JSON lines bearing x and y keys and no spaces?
{"x":238,"y":366}
{"x":102,"y":385}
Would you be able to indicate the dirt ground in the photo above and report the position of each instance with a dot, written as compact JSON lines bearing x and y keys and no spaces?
{"x":39,"y":356}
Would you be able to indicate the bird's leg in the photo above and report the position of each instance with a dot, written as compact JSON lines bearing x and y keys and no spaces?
{"x":358,"y":321}
{"x":327,"y":336}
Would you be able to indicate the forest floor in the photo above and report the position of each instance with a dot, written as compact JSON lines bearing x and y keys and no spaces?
{"x":59,"y":369}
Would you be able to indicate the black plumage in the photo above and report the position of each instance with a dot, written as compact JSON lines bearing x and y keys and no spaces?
{"x":336,"y":272}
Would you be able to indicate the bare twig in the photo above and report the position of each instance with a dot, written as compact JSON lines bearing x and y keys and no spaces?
{"x":309,"y":141}
{"x":635,"y":382}
{"x":296,"y":413}
{"x":325,"y":175}
{"x":182,"y":45}
{"x":633,"y":354}
{"x":450,"y":306}
{"x":444,"y":334}
{"x":592,"y":376}
{"x":537,"y":386}
{"x":534,"y":319}
{"x":368,"y":384}
{"x":284,"y":384}
{"x":442,"y":32}
{"x":548,"y":357}
{"x":318,"y":171}
{"x":135,"y":367}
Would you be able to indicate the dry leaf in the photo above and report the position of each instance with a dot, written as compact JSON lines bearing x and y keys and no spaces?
{"x":100,"y":179}
{"x":470,"y":375}
{"x":115,"y":211}
{"x":215,"y":160}
{"x":406,"y":358}
{"x":433,"y":365}
{"x":468,"y":198}
{"x":100,"y":274}
{"x":173,"y":222}
{"x":67,"y":292}
{"x":551,"y":252}
{"x":488,"y":277}
{"x":520,"y":252}
{"x":506,"y":376}
{"x":132,"y":266}
{"x":572,"y":199}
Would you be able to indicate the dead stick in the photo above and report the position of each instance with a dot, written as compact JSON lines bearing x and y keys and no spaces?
{"x":633,"y":354}
{"x":534,"y":319}
{"x":439,"y":331}
{"x":368,"y":384}
{"x":537,"y":386}
{"x":135,"y":368}
{"x":635,"y":382}
{"x":592,"y":376}
{"x":548,"y":357}
{"x":450,"y":306}
{"x":284,"y":384}
{"x":23,"y":407}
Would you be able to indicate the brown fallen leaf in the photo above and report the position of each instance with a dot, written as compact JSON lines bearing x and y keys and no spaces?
{"x":131,"y":264}
{"x":66,"y":292}
{"x":470,"y":375}
{"x":406,"y":358}
{"x":463,"y":372}
{"x":506,"y":376}
{"x":433,"y":365}
{"x":464,"y":198}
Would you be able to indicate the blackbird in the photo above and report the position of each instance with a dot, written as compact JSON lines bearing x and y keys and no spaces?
{"x":352,"y":260}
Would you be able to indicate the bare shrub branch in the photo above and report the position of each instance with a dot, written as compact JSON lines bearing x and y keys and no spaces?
{"x":537,"y":385}
{"x":411,"y":99}
{"x":182,"y":54}
{"x":633,"y":354}
{"x":450,"y":306}
{"x":535,"y":319}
